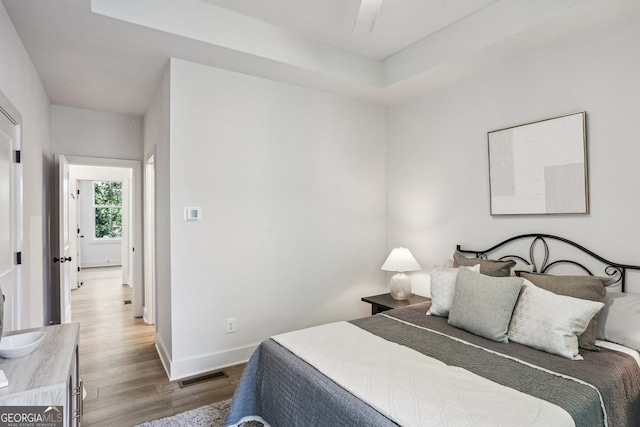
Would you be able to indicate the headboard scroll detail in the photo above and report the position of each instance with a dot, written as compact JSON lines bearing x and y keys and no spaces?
{"x":612,"y":269}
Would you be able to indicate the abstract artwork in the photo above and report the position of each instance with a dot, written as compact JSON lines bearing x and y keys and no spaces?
{"x":540,"y":167}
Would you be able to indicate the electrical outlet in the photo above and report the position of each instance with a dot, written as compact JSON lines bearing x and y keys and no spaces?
{"x":231,"y":325}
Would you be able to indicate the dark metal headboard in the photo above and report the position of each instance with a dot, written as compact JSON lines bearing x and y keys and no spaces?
{"x":613,"y":269}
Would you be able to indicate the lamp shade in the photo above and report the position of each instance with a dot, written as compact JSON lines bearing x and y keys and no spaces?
{"x":400,"y":259}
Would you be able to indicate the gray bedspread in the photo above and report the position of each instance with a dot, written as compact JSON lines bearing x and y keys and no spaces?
{"x":614,"y":374}
{"x":286,"y":391}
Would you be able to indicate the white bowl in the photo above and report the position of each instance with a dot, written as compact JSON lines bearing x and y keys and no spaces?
{"x":21,"y":344}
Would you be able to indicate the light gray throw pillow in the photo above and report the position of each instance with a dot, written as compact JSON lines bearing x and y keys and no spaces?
{"x":483,"y":305}
{"x":443,"y":284}
{"x":551,"y":322}
{"x":620,"y":319}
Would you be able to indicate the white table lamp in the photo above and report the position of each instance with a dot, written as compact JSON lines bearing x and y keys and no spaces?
{"x":400,"y":260}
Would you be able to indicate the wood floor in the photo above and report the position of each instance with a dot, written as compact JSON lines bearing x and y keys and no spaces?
{"x":123,"y":377}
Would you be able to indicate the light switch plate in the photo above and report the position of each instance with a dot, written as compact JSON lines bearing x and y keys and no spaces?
{"x":192,"y":214}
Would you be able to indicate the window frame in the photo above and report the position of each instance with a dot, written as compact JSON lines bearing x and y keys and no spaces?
{"x":95,"y":206}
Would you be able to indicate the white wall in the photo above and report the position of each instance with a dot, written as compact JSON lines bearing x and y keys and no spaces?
{"x":437,"y":167}
{"x":156,"y":140}
{"x":20,"y":83}
{"x":89,"y":133}
{"x":291,"y":186}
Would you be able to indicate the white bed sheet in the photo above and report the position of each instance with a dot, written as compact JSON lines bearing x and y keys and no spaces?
{"x":613,"y":346}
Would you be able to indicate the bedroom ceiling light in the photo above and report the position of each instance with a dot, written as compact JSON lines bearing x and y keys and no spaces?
{"x":400,"y":260}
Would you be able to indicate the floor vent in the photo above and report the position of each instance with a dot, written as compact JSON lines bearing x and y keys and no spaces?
{"x":202,"y":378}
{"x":127,"y":301}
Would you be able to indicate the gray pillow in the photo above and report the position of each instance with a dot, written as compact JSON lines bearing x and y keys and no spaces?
{"x":591,"y":288}
{"x":483,"y":305}
{"x":488,"y":267}
{"x":620,"y":319}
{"x":550,"y":322}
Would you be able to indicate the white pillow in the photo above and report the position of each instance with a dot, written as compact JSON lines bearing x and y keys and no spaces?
{"x":550,"y":322}
{"x":619,"y":320}
{"x":443,"y":286}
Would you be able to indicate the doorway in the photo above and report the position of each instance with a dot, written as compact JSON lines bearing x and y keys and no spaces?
{"x":10,"y":221}
{"x":127,"y":173}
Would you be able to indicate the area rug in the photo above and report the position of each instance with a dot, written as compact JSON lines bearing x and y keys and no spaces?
{"x":210,"y":415}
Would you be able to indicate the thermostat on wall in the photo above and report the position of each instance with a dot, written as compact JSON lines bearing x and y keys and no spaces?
{"x":192,"y":214}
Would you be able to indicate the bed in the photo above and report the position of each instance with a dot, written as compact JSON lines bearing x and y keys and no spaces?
{"x":502,"y":343}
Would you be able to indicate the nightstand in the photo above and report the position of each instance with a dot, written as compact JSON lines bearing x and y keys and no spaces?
{"x":384,"y":302}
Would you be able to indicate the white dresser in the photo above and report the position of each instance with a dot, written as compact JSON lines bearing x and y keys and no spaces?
{"x":47,"y":376}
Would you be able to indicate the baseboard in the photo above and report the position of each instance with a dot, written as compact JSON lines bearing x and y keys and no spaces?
{"x":210,"y":362}
{"x":100,"y":263}
{"x":164,"y":357}
{"x":186,"y":368}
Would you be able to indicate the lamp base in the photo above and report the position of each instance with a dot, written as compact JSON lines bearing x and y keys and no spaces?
{"x":400,"y":286}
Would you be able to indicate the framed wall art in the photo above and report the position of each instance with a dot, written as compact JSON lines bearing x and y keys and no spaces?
{"x":540,"y":168}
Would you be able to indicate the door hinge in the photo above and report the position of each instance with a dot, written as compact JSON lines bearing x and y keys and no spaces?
{"x":78,"y":190}
{"x":17,"y":156}
{"x":18,"y":258}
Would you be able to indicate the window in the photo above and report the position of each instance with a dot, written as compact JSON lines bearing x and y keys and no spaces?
{"x":107,"y":204}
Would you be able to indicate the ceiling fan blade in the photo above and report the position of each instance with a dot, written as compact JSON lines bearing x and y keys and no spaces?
{"x":366,"y":16}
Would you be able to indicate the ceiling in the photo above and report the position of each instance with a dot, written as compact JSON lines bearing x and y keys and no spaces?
{"x":400,"y":23}
{"x":110,"y":55}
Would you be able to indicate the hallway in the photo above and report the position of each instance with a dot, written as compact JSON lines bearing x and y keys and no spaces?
{"x":123,"y":377}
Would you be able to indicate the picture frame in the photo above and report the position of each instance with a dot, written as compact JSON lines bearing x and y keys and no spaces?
{"x":540,"y":168}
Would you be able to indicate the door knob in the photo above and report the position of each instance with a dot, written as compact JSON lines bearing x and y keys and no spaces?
{"x":67,"y":258}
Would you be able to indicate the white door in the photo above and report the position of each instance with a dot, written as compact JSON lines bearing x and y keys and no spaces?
{"x":9,"y":223}
{"x":73,"y":233}
{"x":62,"y":260}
